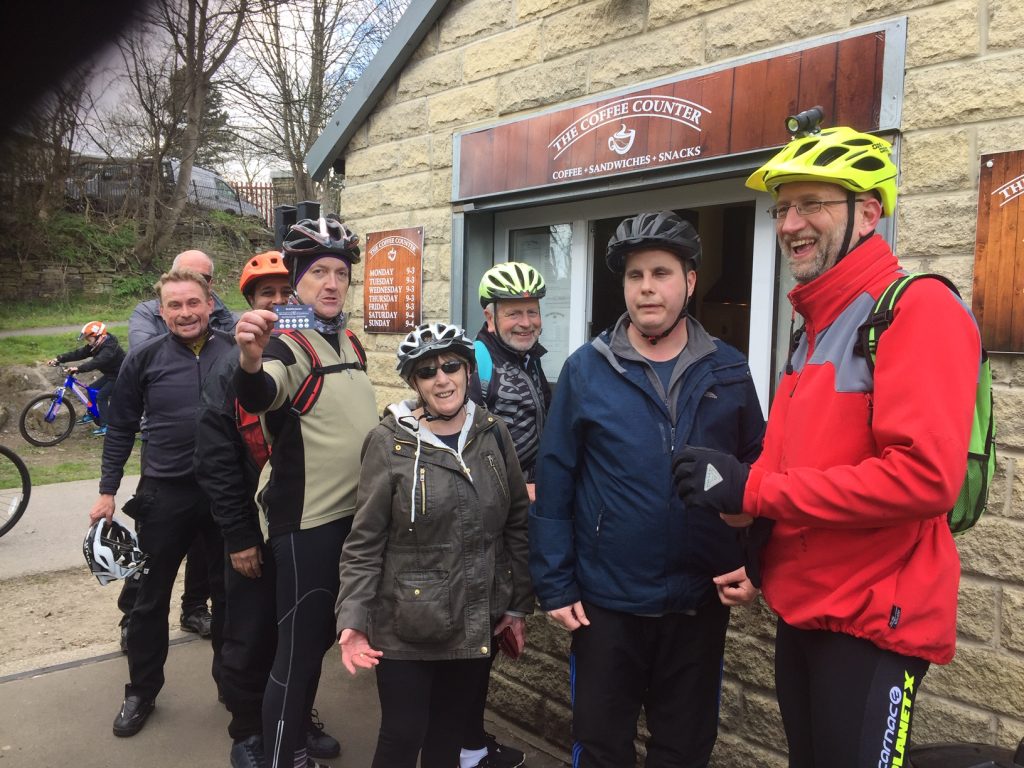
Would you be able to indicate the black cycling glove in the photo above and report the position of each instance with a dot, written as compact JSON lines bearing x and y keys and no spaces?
{"x":709,"y":478}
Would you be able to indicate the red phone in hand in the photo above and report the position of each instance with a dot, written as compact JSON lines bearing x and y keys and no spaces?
{"x":508,"y":644}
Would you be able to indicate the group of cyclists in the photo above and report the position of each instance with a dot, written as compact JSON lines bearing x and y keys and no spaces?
{"x":637,"y":505}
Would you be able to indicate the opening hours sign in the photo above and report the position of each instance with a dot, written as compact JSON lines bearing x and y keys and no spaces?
{"x":394,"y":280}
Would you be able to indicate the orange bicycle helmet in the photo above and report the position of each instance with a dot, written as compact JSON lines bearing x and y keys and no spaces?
{"x":260,"y":265}
{"x":93,"y":328}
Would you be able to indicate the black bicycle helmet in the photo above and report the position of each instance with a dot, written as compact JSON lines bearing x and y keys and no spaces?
{"x":321,"y":237}
{"x":661,"y":229}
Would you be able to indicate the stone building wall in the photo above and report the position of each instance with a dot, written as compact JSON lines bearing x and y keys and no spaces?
{"x":496,"y":59}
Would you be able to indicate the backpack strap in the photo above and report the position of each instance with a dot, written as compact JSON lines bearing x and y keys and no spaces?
{"x":311,"y":387}
{"x":484,"y":364}
{"x":884,"y":310}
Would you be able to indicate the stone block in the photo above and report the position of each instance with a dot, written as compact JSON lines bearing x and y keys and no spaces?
{"x":661,"y":13}
{"x":755,"y":620}
{"x":428,"y":46}
{"x":746,"y":28}
{"x":548,"y":637}
{"x":976,"y":611}
{"x":1012,"y":636}
{"x":1009,"y":732}
{"x":404,"y":193}
{"x":584,"y":27}
{"x":1005,"y":22}
{"x":541,"y":673}
{"x":437,"y":225}
{"x":982,"y":677}
{"x":943,"y":33}
{"x":527,"y":10}
{"x":505,"y":52}
{"x":751,"y":660}
{"x":435,"y":302}
{"x":936,"y":161}
{"x":937,"y":719}
{"x":399,"y":121}
{"x":359,"y":201}
{"x":730,"y":713}
{"x":441,"y":155}
{"x":993,"y":548}
{"x":664,"y":51}
{"x":386,"y":395}
{"x":471,"y":20}
{"x":999,"y":490}
{"x":920,"y":238}
{"x":762,"y":720}
{"x":936,"y":96}
{"x":543,"y":84}
{"x":1015,"y":508}
{"x":1011,"y":419}
{"x":868,"y":10}
{"x":1007,"y":369}
{"x":394,"y":158}
{"x":430,"y":75}
{"x":441,"y":187}
{"x":516,"y":703}
{"x":998,"y":137}
{"x":462,"y":105}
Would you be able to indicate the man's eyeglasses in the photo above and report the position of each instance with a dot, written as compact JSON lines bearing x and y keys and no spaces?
{"x":206,"y":277}
{"x":806,"y":208}
{"x":430,"y":371}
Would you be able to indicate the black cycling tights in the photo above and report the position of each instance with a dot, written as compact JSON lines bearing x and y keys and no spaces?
{"x":307,"y":588}
{"x":845,"y":702}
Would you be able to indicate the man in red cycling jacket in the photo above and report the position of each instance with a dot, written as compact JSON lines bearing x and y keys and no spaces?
{"x":858,"y":471}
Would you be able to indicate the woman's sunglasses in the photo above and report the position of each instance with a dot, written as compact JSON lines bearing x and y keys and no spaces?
{"x":430,"y":371}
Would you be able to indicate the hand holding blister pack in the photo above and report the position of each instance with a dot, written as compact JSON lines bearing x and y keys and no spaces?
{"x":293,"y":317}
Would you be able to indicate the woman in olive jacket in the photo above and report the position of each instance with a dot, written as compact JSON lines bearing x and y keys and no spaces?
{"x":436,"y":564}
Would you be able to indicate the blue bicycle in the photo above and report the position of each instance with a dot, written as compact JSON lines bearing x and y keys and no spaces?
{"x":48,"y":419}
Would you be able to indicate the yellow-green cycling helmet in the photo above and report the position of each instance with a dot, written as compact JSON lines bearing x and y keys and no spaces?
{"x":856,"y":161}
{"x":511,"y":280}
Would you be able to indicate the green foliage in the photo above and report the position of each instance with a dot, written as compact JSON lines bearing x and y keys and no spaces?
{"x":134,"y":287}
{"x":76,"y":239}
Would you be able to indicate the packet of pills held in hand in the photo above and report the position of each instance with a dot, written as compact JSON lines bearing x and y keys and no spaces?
{"x":293,"y":317}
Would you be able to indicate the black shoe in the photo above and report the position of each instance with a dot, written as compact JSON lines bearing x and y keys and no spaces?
{"x":124,"y":639}
{"x":501,"y":756}
{"x":248,"y":753}
{"x":318,"y":743}
{"x":132,"y":716}
{"x":199,"y":621}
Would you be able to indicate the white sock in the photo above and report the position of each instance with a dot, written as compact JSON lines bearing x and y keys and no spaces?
{"x":470,"y":758}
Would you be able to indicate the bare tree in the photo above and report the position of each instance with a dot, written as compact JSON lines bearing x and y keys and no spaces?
{"x":294,"y":65}
{"x":201,"y":34}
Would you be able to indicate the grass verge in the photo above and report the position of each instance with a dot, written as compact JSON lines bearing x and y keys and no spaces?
{"x":26,"y":350}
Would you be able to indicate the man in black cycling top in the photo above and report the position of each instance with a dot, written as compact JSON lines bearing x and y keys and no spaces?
{"x":510,"y":382}
{"x":309,"y":495}
{"x":228,"y":468}
{"x":163,"y":379}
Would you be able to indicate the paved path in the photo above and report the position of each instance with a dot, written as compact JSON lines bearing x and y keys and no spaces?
{"x":61,"y":716}
{"x":58,"y":329}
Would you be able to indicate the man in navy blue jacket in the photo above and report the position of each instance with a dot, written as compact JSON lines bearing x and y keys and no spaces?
{"x":616,"y":557}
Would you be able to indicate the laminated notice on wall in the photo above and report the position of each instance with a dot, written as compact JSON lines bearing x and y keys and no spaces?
{"x":392,"y":292}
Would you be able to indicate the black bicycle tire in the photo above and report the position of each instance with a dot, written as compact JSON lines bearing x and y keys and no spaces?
{"x":59,"y":438}
{"x":26,"y":489}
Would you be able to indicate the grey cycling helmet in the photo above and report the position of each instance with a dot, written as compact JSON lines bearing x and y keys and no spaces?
{"x":432,"y":339}
{"x":662,"y":229}
{"x":511,"y":280}
{"x":112,"y":551}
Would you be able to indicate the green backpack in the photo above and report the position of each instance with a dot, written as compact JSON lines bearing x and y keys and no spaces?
{"x":981,"y":451}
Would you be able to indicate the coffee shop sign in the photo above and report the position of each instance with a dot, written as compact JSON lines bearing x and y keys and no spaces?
{"x":678,"y":110}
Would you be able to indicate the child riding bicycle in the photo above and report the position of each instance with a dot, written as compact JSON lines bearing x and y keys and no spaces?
{"x":107,"y":357}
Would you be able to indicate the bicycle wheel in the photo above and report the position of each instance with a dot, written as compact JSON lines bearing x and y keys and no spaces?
{"x":46,"y":422}
{"x":15,"y":488}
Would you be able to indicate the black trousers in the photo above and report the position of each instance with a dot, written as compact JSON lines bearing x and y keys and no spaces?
{"x":670,"y":665}
{"x":250,"y":639}
{"x":175,"y":512}
{"x":845,"y":702}
{"x":423,"y":709}
{"x":103,"y":387}
{"x":197,"y":584}
{"x":306,"y":591}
